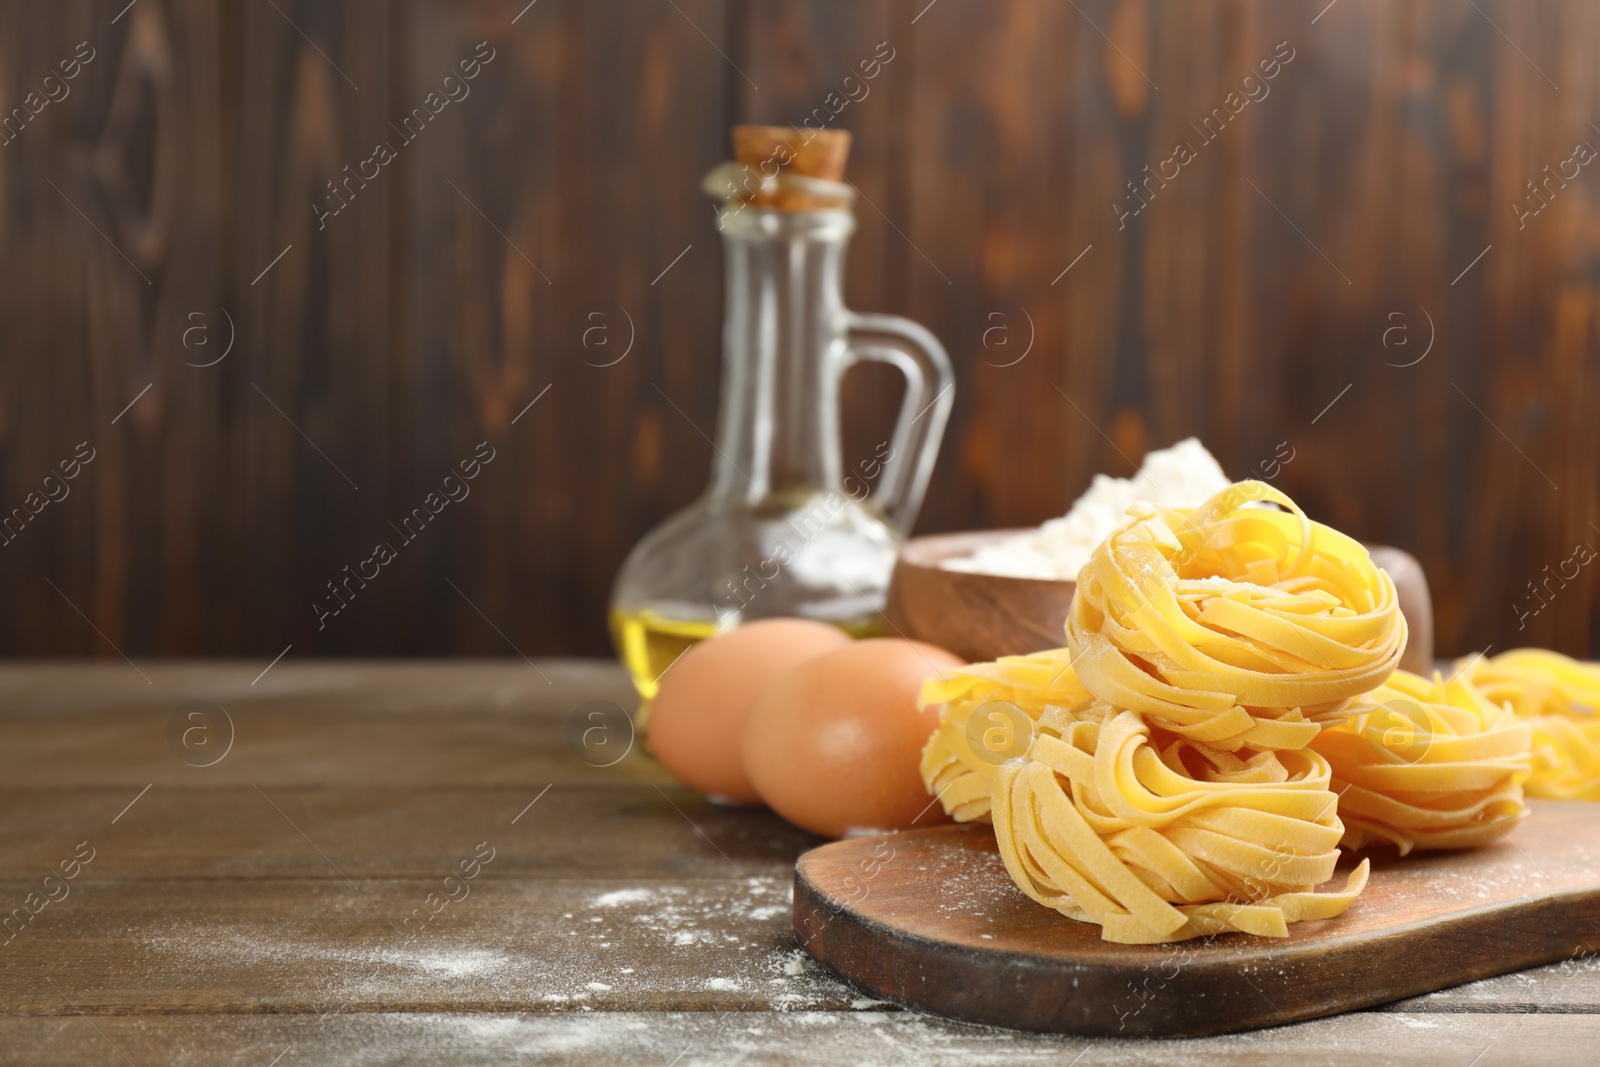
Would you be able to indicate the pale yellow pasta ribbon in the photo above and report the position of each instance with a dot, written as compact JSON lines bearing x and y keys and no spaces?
{"x":1164,"y":845}
{"x":1234,"y":626}
{"x":1007,"y":696}
{"x":1560,"y":699}
{"x":1428,"y":764}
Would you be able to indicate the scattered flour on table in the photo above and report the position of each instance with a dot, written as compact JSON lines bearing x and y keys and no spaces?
{"x":714,"y":944}
{"x":620,"y":896}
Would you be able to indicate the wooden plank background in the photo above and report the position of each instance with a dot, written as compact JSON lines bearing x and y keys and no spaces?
{"x":1252,"y":293}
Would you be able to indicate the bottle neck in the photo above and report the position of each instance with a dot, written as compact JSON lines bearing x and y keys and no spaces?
{"x":783,"y":342}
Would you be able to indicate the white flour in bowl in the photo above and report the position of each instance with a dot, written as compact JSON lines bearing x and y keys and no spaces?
{"x":1183,"y":476}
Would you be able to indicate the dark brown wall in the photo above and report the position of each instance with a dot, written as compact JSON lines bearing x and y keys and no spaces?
{"x":1252,"y":292}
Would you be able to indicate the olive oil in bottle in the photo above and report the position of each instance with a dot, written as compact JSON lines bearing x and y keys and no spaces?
{"x":649,"y":642}
{"x":782,"y":530}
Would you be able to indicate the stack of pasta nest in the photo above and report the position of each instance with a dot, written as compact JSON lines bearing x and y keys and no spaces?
{"x":1559,"y":699}
{"x":1226,"y":713}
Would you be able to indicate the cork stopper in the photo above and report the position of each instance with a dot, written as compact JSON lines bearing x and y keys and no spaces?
{"x":811,"y":153}
{"x":785,"y":168}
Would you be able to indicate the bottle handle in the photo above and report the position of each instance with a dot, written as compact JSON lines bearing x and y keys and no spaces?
{"x":930,"y":385}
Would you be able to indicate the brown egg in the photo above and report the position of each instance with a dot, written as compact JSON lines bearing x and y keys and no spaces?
{"x":697,"y":717}
{"x":833,"y":745}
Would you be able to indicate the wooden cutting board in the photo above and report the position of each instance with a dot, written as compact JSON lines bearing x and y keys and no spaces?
{"x":929,"y":918}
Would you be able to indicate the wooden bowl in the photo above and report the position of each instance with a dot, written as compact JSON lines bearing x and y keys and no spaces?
{"x":985,"y":616}
{"x":977,"y":616}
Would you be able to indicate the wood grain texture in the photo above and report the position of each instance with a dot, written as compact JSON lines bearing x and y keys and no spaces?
{"x":930,"y":918}
{"x":261,"y":904}
{"x":519,"y":244}
{"x":701,"y":1039}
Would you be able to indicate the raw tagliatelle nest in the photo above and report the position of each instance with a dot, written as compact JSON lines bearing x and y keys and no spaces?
{"x":1429,"y":764}
{"x":1560,"y":699}
{"x":1235,"y":625}
{"x":1161,"y":838}
{"x":1176,"y":797}
{"x":987,"y":717}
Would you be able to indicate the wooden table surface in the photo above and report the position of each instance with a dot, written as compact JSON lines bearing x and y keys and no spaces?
{"x":254,"y":910}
